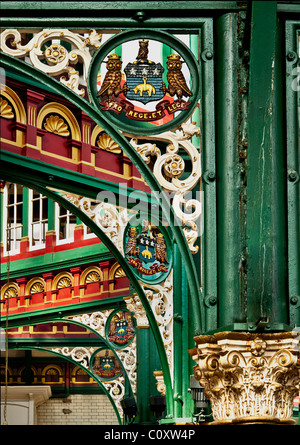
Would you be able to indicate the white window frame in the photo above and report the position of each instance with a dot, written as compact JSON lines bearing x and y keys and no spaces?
{"x":87,"y":235}
{"x":13,"y":229}
{"x":70,"y":234}
{"x":42,"y":221}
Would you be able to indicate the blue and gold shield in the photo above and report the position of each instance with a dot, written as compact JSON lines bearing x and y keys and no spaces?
{"x":107,"y":363}
{"x":146,"y":248}
{"x":144,"y":81}
{"x":121,"y":328}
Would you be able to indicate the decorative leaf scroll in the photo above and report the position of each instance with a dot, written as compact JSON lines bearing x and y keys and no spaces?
{"x":44,"y":53}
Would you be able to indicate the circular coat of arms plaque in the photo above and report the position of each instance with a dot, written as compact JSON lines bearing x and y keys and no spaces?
{"x":147,"y":81}
{"x":147,"y":251}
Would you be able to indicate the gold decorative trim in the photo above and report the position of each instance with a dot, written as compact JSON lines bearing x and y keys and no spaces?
{"x":56,"y":125}
{"x":57,"y":108}
{"x":5,"y":109}
{"x":62,"y":280}
{"x":92,"y":277}
{"x":36,"y":288}
{"x":16,"y":103}
{"x":105,"y":142}
{"x":52,"y":370}
{"x":249,"y":377}
{"x":90,"y":273}
{"x":120,"y":273}
{"x":113,"y":270}
{"x":35,"y":285}
{"x":10,"y":290}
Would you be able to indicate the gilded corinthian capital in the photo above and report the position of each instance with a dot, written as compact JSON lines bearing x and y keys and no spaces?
{"x":249,"y":378}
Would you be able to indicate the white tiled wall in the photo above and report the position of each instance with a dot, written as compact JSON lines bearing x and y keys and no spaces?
{"x":85,"y":410}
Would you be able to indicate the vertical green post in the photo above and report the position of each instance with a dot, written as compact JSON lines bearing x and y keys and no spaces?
{"x":293,"y":171}
{"x":179,"y":322}
{"x":147,"y":363}
{"x":230,"y":305}
{"x":25,"y":226}
{"x":209,"y":178}
{"x":51,"y":215}
{"x":266,"y":276}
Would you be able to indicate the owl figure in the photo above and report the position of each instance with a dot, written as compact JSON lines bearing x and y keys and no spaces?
{"x":131,"y":244}
{"x":111,"y":85}
{"x":161,"y":249}
{"x":177,"y":83}
{"x":143,"y":50}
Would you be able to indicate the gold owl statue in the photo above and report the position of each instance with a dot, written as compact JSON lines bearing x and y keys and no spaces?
{"x":131,"y":248}
{"x":177,"y":84}
{"x":161,"y":249}
{"x":111,"y":85}
{"x":143,"y":50}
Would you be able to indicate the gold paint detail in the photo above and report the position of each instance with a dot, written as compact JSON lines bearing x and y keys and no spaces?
{"x":55,"y":54}
{"x":144,"y":88}
{"x":120,"y":273}
{"x":91,"y":274}
{"x":160,"y":384}
{"x":249,"y":378}
{"x":16,"y":103}
{"x":36,"y":288}
{"x":92,"y":277}
{"x":6,"y":110}
{"x":56,"y":125}
{"x":105,"y":142}
{"x":64,"y":282}
{"x":54,"y":108}
{"x":11,"y":292}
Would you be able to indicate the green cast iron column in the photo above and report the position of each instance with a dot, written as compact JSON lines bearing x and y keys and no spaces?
{"x":293,"y":170}
{"x":266,"y":276}
{"x":147,"y":363}
{"x":230,"y":306}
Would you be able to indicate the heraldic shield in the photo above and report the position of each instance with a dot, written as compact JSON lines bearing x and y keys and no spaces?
{"x":144,"y":81}
{"x":144,"y":77}
{"x":146,"y":252}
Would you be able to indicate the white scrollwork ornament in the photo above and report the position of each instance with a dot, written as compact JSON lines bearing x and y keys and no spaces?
{"x":168,"y":169}
{"x":116,"y":390}
{"x":112,"y":221}
{"x":78,"y":354}
{"x":58,"y":59}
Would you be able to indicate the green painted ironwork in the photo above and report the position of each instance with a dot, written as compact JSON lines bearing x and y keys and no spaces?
{"x":42,"y":344}
{"x":292,"y":30}
{"x":11,"y":63}
{"x":162,"y":37}
{"x":230,"y":308}
{"x":119,"y":257}
{"x":266,"y":274}
{"x":90,"y":373}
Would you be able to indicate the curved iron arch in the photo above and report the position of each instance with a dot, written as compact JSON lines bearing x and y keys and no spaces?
{"x":91,"y":374}
{"x":8,"y":62}
{"x":115,"y":252}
